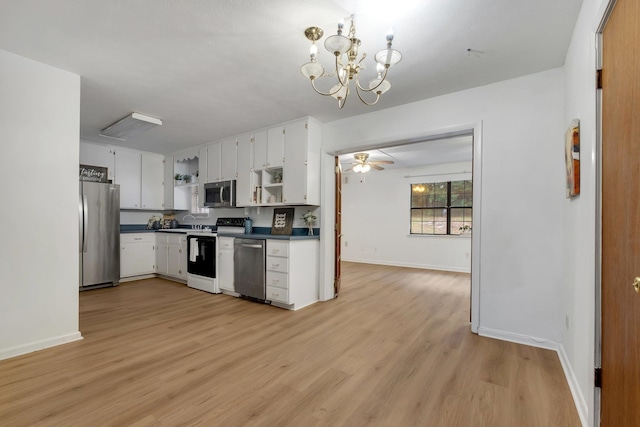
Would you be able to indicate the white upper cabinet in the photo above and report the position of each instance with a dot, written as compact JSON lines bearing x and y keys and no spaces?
{"x":228,"y":158}
{"x":268,"y":148}
{"x":140,"y":176}
{"x":275,"y":147}
{"x":203,"y":173}
{"x":128,"y":174}
{"x":244,"y":166}
{"x":168,"y":182}
{"x":213,"y":161}
{"x":152,"y":187}
{"x":98,"y":155}
{"x":301,"y":171}
{"x":260,"y":150}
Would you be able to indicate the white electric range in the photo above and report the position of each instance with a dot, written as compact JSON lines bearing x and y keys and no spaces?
{"x":202,"y":254}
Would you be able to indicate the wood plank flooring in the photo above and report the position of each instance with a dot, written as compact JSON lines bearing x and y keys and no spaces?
{"x":395,"y":349}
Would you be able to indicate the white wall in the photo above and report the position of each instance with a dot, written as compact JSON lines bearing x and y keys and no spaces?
{"x":579,"y":216}
{"x":523,"y":180}
{"x":39,"y":124}
{"x":376,"y":217}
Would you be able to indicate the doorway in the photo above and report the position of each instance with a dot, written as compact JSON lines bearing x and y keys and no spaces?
{"x":619,"y":302}
{"x":475,"y":131}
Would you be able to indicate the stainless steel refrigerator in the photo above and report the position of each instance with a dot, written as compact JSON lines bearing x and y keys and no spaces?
{"x":99,"y":216}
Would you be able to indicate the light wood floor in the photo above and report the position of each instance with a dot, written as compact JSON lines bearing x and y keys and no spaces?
{"x":394,"y":349}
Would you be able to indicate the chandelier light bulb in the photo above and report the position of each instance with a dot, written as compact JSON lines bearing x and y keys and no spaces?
{"x":313,"y":51}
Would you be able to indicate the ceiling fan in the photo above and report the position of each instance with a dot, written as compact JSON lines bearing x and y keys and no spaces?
{"x":362,"y":165}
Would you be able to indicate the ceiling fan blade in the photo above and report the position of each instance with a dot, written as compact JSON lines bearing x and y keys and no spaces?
{"x":347,"y":170}
{"x":376,"y":167}
{"x":382,"y":162}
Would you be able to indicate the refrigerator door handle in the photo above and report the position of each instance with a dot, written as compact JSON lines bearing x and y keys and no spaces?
{"x":85,"y":222}
{"x":80,"y":224}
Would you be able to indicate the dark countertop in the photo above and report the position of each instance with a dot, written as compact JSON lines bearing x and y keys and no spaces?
{"x":259,"y":233}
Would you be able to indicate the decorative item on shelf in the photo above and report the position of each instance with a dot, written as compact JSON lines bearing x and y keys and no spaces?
{"x":178,"y":179}
{"x":282,"y":221}
{"x":186,"y":178}
{"x":154,"y":223}
{"x":309,"y":218}
{"x":348,"y":68}
{"x":277,"y":177}
{"x":194,"y":177}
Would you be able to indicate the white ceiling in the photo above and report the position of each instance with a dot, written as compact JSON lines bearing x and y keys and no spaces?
{"x":212,"y":69}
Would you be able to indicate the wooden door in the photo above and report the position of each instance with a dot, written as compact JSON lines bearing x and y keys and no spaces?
{"x":338,"y":228}
{"x":621,"y":216}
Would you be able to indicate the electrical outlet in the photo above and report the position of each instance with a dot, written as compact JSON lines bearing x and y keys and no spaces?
{"x":346,"y":243}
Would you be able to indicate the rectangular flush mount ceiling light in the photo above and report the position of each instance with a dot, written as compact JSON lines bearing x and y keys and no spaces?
{"x":130,"y":125}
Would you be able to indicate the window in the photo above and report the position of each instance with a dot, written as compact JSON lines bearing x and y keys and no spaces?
{"x":441,"y":207}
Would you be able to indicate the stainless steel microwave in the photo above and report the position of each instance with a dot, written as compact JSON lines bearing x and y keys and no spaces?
{"x":220,"y":194}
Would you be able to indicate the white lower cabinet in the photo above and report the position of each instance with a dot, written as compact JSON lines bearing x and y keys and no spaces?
{"x":292,"y":272}
{"x":171,"y":255}
{"x":137,"y":254}
{"x":225,"y":263}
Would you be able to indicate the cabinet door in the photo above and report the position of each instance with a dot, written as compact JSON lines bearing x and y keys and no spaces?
{"x":260,"y":150}
{"x":152,"y":193}
{"x":213,"y":162}
{"x":168,"y":182}
{"x":137,"y":259}
{"x":294,"y":180}
{"x":228,"y":159}
{"x":128,"y":174}
{"x":225,"y":273}
{"x":183,"y":258}
{"x":162,"y":253}
{"x":244,"y":192}
{"x":203,"y":174}
{"x":275,"y":147}
{"x":98,"y":155}
{"x":174,"y":266}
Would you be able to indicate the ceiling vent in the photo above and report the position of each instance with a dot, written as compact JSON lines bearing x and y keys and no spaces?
{"x":130,"y":125}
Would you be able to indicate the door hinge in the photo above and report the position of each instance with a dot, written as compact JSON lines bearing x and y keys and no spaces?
{"x":306,"y":125}
{"x":598,"y":79}
{"x":597,"y":377}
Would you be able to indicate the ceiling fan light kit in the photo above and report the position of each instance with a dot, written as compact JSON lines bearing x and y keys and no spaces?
{"x":347,"y":65}
{"x":363,"y":166}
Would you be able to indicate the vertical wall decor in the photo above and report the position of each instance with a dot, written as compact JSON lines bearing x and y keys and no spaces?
{"x":572,"y":158}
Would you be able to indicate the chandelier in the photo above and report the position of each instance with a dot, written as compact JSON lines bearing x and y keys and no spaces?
{"x":347,"y":65}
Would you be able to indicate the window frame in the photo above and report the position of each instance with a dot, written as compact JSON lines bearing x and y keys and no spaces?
{"x":447,"y":209}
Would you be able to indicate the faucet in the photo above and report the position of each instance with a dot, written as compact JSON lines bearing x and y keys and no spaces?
{"x":193,"y":226}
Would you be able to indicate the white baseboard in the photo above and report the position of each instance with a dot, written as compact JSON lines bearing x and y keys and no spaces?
{"x":406,"y":264}
{"x":576,"y":393}
{"x":38,"y":345}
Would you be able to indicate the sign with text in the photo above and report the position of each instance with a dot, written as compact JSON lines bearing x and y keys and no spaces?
{"x":93,"y":173}
{"x":282,"y":221}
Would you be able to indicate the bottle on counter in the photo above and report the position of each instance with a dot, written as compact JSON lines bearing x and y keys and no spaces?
{"x":248,"y":226}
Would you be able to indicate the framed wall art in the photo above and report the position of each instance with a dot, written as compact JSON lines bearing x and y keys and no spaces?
{"x":282,"y":221}
{"x":572,"y":158}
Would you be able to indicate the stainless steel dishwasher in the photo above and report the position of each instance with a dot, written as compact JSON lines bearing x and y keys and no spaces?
{"x":249,"y":267}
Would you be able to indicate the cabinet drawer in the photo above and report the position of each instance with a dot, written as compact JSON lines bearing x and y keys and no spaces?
{"x":278,"y":280}
{"x":278,"y":264}
{"x":275,"y":248}
{"x":277,"y":294}
{"x":137,"y":237}
{"x":226,"y":243}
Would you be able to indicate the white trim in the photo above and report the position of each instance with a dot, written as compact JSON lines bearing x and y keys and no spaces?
{"x":39,"y":345}
{"x":409,"y":265}
{"x":572,"y":381}
{"x":327,"y":192}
